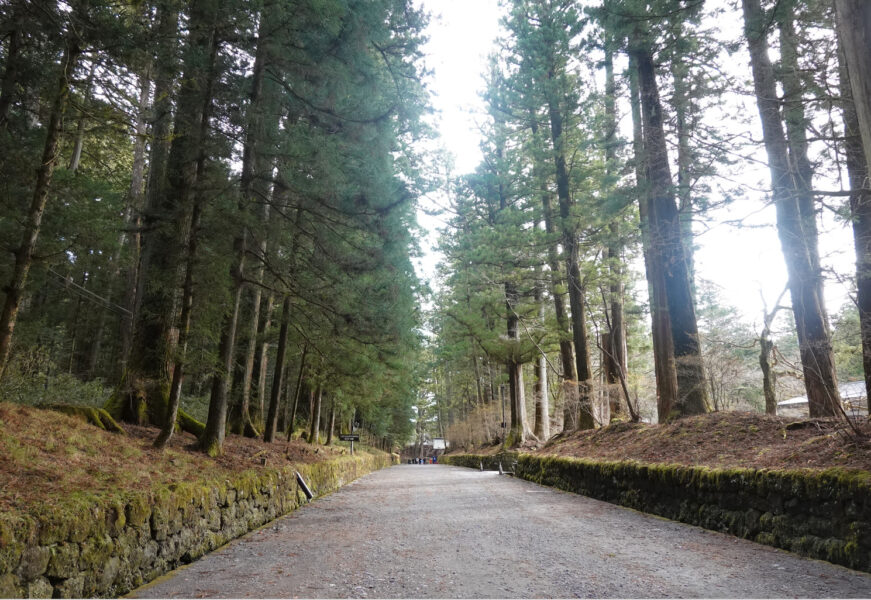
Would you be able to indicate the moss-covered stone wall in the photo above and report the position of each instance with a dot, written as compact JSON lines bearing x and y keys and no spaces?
{"x":92,"y":547}
{"x":820,"y":514}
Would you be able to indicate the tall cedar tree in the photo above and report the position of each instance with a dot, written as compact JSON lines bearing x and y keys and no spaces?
{"x":797,"y":241}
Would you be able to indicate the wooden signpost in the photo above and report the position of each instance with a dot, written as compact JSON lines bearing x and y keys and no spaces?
{"x":350,"y":437}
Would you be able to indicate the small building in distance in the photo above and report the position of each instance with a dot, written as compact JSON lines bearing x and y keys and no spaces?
{"x":853,"y":397}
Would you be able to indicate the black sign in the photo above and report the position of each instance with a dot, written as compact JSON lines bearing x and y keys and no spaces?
{"x":349,"y":437}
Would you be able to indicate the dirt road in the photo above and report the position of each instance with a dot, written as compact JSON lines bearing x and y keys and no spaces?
{"x":422,"y":531}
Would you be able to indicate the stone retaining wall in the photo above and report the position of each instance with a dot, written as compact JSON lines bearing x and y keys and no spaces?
{"x":91,"y":547}
{"x":820,"y":514}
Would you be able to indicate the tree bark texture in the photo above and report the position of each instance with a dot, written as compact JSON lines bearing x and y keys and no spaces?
{"x":582,"y":418}
{"x":663,"y":352}
{"x":860,"y":213}
{"x":811,"y":322}
{"x":854,"y":28}
{"x":187,"y":297}
{"x":769,"y":376}
{"x":275,"y":393}
{"x":683,"y":113}
{"x":315,"y":424}
{"x":567,"y":358}
{"x":615,"y":365}
{"x":263,"y":119}
{"x":144,"y":391}
{"x":79,"y":139}
{"x":518,"y":425}
{"x":796,"y":134}
{"x":667,"y":252}
{"x":541,"y":429}
{"x":332,"y":421}
{"x":255,"y":166}
{"x":165,"y":73}
{"x":296,"y":393}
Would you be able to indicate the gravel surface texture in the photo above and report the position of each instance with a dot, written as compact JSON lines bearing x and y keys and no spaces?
{"x":435,"y":531}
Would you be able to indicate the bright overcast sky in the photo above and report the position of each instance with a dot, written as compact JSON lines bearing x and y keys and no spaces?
{"x":741,"y":261}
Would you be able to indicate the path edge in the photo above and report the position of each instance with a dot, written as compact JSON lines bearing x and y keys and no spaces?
{"x":821,"y":514}
{"x":111,"y":549}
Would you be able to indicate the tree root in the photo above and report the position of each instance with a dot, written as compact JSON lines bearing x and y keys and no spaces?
{"x":249,"y":430}
{"x":187,"y":423}
{"x":89,"y":414}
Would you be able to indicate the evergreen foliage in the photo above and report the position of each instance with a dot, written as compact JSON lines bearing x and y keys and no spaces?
{"x":279,"y":162}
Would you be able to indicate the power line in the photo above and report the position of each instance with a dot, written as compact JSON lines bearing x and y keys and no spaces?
{"x":71,"y":285}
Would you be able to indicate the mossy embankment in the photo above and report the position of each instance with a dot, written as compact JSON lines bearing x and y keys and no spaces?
{"x":823,"y":514}
{"x":84,"y":512}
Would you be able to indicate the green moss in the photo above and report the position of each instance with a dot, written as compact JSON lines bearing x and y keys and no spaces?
{"x":108,"y":422}
{"x":15,"y":533}
{"x":116,"y":531}
{"x":95,"y":552}
{"x":64,"y":560}
{"x":10,"y":586}
{"x":189,"y":424}
{"x":851,"y":551}
{"x":211,"y":448}
{"x":138,"y":510}
{"x":80,"y":516}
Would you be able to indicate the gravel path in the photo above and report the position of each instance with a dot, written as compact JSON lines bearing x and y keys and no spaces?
{"x":424,"y":531}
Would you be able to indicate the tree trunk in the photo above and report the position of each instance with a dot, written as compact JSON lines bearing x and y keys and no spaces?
{"x":518,"y":425}
{"x":482,"y":398}
{"x":262,"y":122}
{"x":253,"y":178}
{"x":142,"y":395}
{"x":663,"y":353}
{"x":314,"y":430}
{"x":667,"y":252}
{"x":243,"y":417}
{"x":187,"y":299}
{"x":165,"y":71}
{"x":542,"y":406}
{"x":567,"y":358}
{"x":132,"y":208}
{"x":810,"y":317}
{"x":769,"y":376}
{"x":73,"y":326}
{"x":682,"y":108}
{"x":860,"y":213}
{"x":33,"y":222}
{"x":261,"y":364}
{"x":297,"y":393}
{"x":854,"y":28}
{"x":79,"y":139}
{"x":583,"y":417}
{"x":284,"y":412}
{"x":275,"y":395}
{"x":332,"y":419}
{"x":616,"y":338}
{"x":187,"y":303}
{"x":212,"y":440}
{"x":796,"y":134}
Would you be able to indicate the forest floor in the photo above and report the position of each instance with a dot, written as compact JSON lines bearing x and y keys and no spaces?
{"x":46,"y":456}
{"x":723,"y":439}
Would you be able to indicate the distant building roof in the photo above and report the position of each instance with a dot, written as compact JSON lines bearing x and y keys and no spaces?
{"x":851,"y":390}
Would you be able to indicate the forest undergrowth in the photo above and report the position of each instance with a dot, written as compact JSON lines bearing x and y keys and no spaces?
{"x":46,"y":457}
